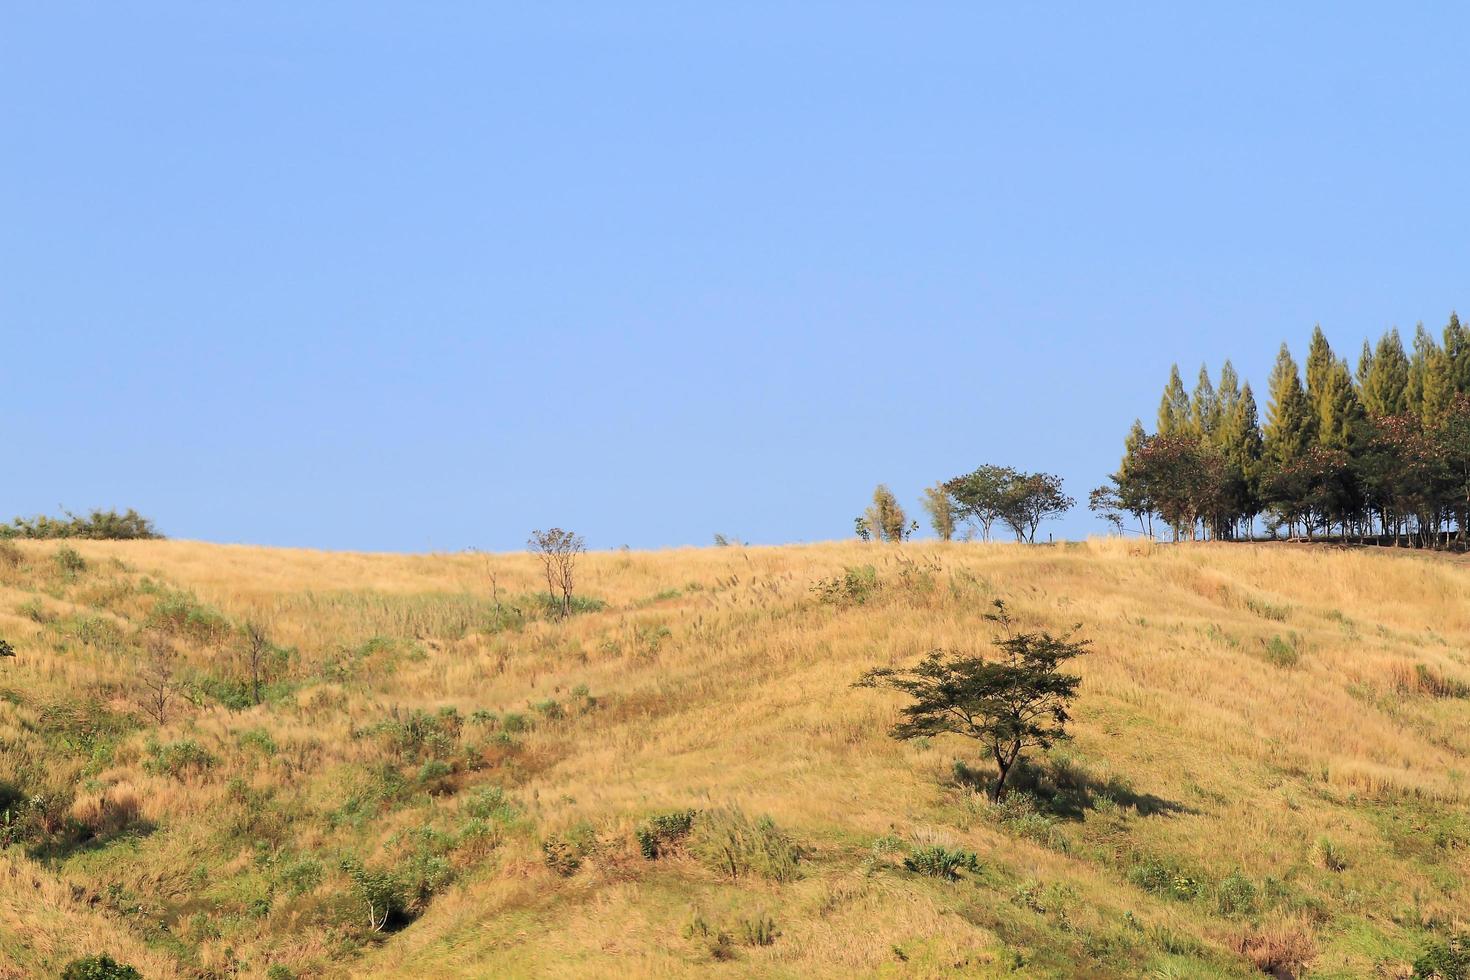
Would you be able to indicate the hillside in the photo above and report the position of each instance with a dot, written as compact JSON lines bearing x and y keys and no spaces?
{"x":1268,"y":770}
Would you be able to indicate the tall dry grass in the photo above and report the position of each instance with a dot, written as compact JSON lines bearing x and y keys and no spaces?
{"x":1242,"y":702}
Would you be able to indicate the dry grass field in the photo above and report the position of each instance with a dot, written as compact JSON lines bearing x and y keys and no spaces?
{"x":1268,"y":774}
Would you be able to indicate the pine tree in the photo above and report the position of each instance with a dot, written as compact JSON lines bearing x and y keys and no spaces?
{"x":1288,"y":433}
{"x":1342,"y":412}
{"x":1240,"y":442}
{"x":1204,"y":407}
{"x":1438,"y":387}
{"x":1457,"y":349}
{"x":1174,"y":406}
{"x":1384,"y":385}
{"x":1226,"y":397}
{"x":1419,"y":366}
{"x":1320,"y":362}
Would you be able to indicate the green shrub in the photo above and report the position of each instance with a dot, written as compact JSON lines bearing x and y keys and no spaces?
{"x":434,"y":774}
{"x":180,"y":613}
{"x":69,"y":560}
{"x":941,"y":862}
{"x":1283,"y":653}
{"x":728,"y":841}
{"x":379,"y":892}
{"x":855,"y":586}
{"x":1235,"y":895}
{"x":279,"y":971}
{"x":1329,"y":855}
{"x":177,"y":759}
{"x":301,"y":876}
{"x":491,"y":803}
{"x":259,"y":740}
{"x":99,"y":525}
{"x":101,"y":967}
{"x":660,"y":834}
{"x":1447,"y":959}
{"x":760,"y":931}
{"x":1162,"y":878}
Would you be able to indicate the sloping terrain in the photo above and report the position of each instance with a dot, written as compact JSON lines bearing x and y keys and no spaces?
{"x":1268,"y":773}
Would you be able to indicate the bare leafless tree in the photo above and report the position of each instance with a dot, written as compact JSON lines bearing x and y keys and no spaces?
{"x":558,"y":551}
{"x":257,"y":651}
{"x":158,"y":688}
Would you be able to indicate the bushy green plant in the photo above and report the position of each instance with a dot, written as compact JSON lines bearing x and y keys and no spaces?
{"x":177,"y":759}
{"x":937,"y":861}
{"x":727,"y":841}
{"x":180,"y":613}
{"x":491,"y":803}
{"x":101,"y":967}
{"x":1235,"y":895}
{"x":380,"y":893}
{"x":855,"y":586}
{"x":69,"y":560}
{"x":99,"y":525}
{"x":1446,"y":959}
{"x":1283,"y":653}
{"x":661,"y":833}
{"x":759,"y":931}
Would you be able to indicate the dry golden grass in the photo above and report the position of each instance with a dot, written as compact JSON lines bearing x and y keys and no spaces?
{"x":1241,"y":705}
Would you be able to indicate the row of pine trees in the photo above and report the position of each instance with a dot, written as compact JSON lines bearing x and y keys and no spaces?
{"x":1378,"y":452}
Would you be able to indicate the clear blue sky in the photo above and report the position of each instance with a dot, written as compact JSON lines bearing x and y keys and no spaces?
{"x":409,"y":276}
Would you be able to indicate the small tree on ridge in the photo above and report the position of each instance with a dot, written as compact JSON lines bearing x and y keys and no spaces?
{"x":1009,"y":704}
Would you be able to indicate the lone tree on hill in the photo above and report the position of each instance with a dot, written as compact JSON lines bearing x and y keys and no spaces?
{"x":941,"y":509}
{"x":885,"y":518}
{"x":1009,"y":704}
{"x":558,"y":551}
{"x":257,"y":651}
{"x":157,"y":675}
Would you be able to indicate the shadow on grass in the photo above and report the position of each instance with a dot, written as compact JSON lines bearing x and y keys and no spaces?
{"x":1064,"y":790}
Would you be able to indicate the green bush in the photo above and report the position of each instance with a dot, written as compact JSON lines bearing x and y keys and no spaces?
{"x":1283,"y":653}
{"x":760,"y":931}
{"x":855,"y":586}
{"x":99,"y":525}
{"x":379,"y":892}
{"x":941,"y":862}
{"x":177,"y":759}
{"x":1447,"y":959}
{"x":1235,"y":895}
{"x":69,"y":560}
{"x":101,"y":967}
{"x":179,"y":613}
{"x":491,"y":803}
{"x":727,"y":841}
{"x":660,"y":834}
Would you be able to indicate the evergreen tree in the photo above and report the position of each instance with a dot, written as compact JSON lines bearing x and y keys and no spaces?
{"x":1204,"y":407}
{"x":1241,"y":445}
{"x":1438,"y":387}
{"x":1288,"y":433}
{"x":1342,"y":412}
{"x":1226,"y":398}
{"x":1419,"y":366}
{"x":1385,"y":386}
{"x":1174,"y":406}
{"x":1320,"y":363}
{"x":1457,"y":349}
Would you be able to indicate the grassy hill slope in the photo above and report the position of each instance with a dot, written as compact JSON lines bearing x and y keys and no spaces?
{"x":1268,"y":771}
